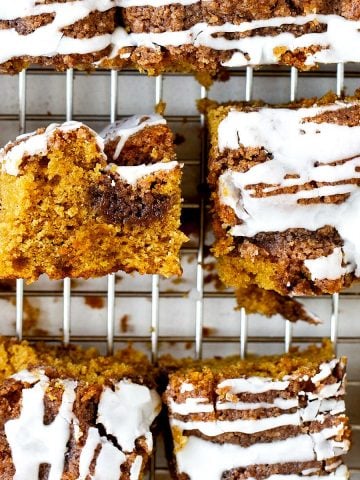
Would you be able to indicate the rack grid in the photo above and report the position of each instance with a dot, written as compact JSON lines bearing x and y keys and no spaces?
{"x":199,"y":208}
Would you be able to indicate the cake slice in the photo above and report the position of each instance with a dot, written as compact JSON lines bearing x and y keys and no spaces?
{"x":69,"y":211}
{"x":285,"y":188}
{"x":203,"y":36}
{"x":260,"y":418}
{"x":61,"y":34}
{"x":72,"y":414}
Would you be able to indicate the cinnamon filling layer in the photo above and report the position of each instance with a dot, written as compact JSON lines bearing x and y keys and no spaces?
{"x":120,"y":203}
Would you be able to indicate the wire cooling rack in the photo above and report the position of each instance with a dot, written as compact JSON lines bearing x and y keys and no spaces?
{"x":195,"y":207}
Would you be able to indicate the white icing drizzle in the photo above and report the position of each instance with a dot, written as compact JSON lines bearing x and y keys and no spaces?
{"x":327,"y":391}
{"x":186,"y":387}
{"x":327,"y":267}
{"x":340,"y":41}
{"x":36,"y":144}
{"x":217,"y":427}
{"x":306,"y":414}
{"x":314,"y":407}
{"x":88,"y":452}
{"x":30,"y":377}
{"x":326,"y":369}
{"x":332,"y":405}
{"x":128,"y":412}
{"x":132,"y":174}
{"x":108,"y":461}
{"x":149,"y":441}
{"x":135,"y":468}
{"x":124,"y":129}
{"x":311,"y":412}
{"x":304,"y":149}
{"x":32,"y":443}
{"x":10,"y":10}
{"x":109,"y":456}
{"x":191,"y":405}
{"x":252,"y":385}
{"x":324,"y":444}
{"x":317,"y":403}
{"x":202,"y":459}
{"x":309,"y":471}
{"x":282,"y":403}
{"x":49,"y":40}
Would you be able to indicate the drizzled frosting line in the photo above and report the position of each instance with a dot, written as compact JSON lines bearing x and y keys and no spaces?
{"x":12,"y":155}
{"x":49,"y":40}
{"x":122,"y":130}
{"x":127,"y":411}
{"x":259,"y":49}
{"x":339,"y":42}
{"x":202,"y":459}
{"x":302,"y":152}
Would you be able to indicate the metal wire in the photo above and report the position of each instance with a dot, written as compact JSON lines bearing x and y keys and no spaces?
{"x":22,"y":102}
{"x":67,"y":281}
{"x":249,"y":84}
{"x":110,"y":313}
{"x":199,"y":312}
{"x":155,"y":295}
{"x":293,"y":83}
{"x":293,"y":94}
{"x":243,"y":332}
{"x":114,"y":82}
{"x":334,"y":319}
{"x":19,"y":282}
{"x":155,"y":289}
{"x":244,"y":319}
{"x":218,"y":339}
{"x":147,"y":294}
{"x":69,"y":94}
{"x":267,"y":71}
{"x":340,"y":77}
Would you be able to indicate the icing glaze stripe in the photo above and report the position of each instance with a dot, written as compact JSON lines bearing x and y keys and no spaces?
{"x":256,"y":50}
{"x":127,"y":411}
{"x":11,"y":156}
{"x":202,"y":459}
{"x":124,"y":129}
{"x":297,"y":147}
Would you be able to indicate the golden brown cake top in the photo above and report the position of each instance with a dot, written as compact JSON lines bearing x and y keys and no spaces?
{"x":139,"y":139}
{"x":73,"y":362}
{"x":16,"y":153}
{"x":296,"y":363}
